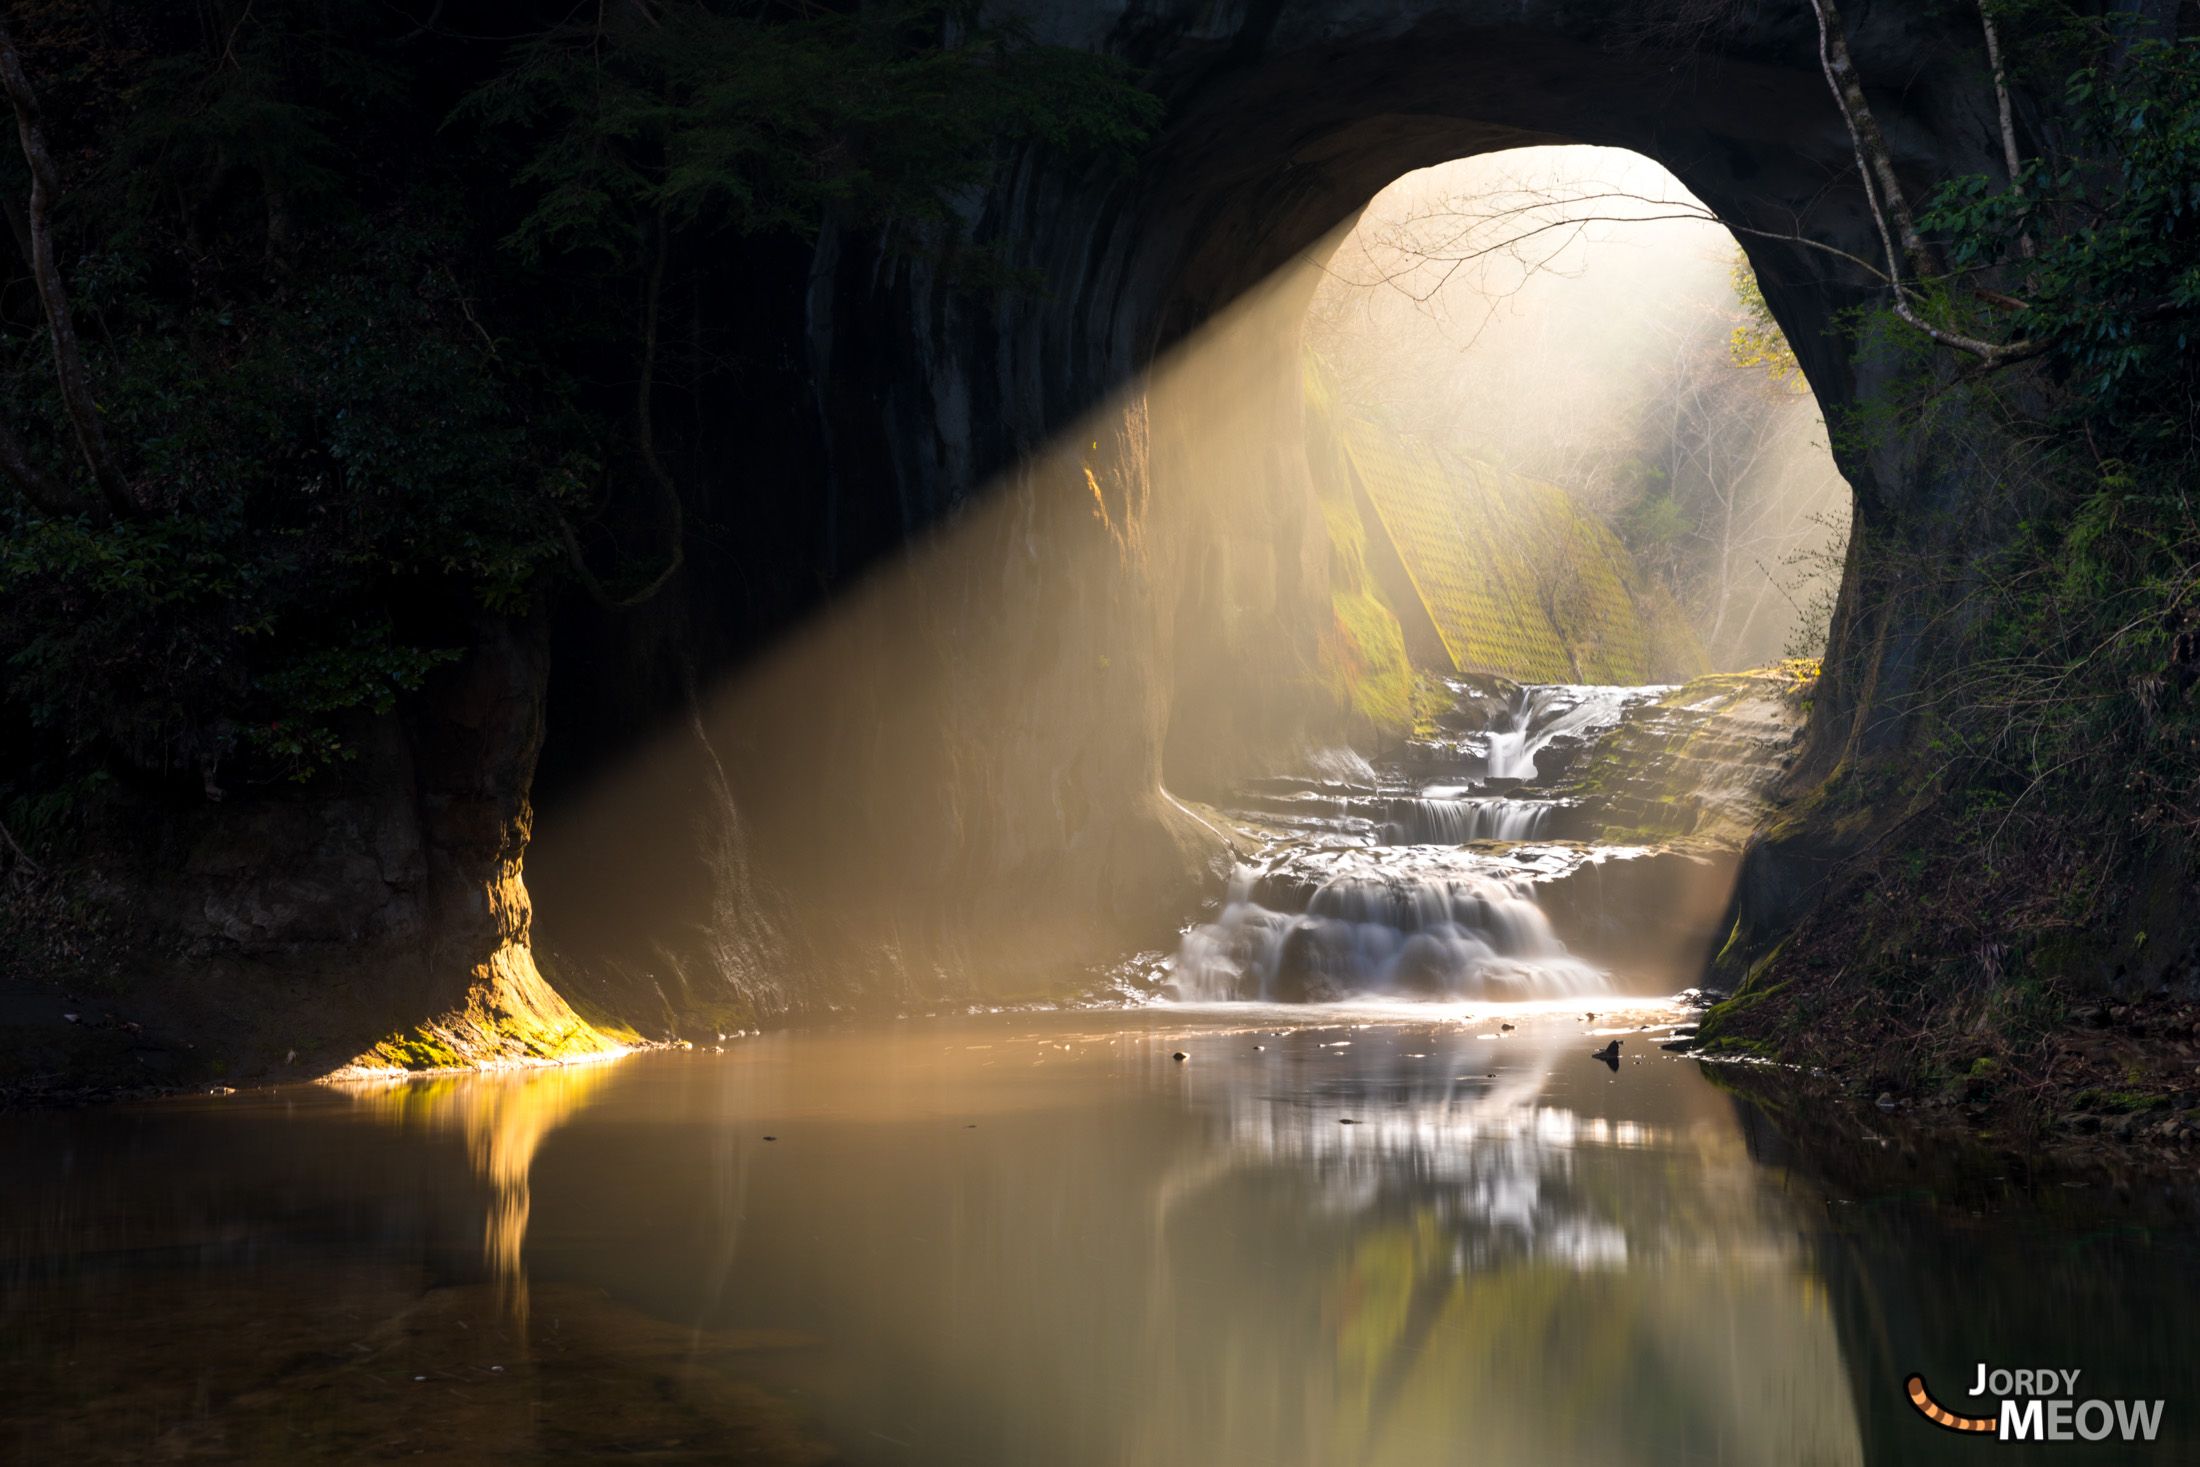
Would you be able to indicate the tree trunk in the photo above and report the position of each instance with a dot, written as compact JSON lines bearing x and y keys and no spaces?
{"x":68,"y":362}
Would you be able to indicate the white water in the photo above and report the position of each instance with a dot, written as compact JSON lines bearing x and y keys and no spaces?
{"x":1452,"y":822}
{"x":1416,"y":923}
{"x":1547,"y":712}
{"x":1471,"y":937}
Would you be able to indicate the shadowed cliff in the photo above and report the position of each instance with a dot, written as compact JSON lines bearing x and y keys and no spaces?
{"x":975,"y":578}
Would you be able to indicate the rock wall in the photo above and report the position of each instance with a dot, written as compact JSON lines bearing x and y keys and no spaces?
{"x":963,"y":777}
{"x":378,"y":920}
{"x":1514,"y":578}
{"x":976,"y":772}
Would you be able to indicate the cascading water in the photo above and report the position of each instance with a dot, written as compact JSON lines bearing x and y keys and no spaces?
{"x":1473,"y":936}
{"x":1416,"y":915}
{"x":1549,"y":712}
{"x":1432,"y":820}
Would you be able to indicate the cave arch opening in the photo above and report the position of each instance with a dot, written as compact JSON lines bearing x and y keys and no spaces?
{"x":985,"y":762}
{"x":1556,"y":471}
{"x":1552,"y":435}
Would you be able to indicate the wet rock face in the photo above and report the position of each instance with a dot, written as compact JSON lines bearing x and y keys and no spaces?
{"x":1702,"y":762}
{"x":1282,"y":124}
{"x":283,"y":932}
{"x":1022,"y":725}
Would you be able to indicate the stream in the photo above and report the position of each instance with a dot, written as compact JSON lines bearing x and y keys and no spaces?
{"x":1399,"y":1158}
{"x":1424,"y":877}
{"x":1369,"y":1232}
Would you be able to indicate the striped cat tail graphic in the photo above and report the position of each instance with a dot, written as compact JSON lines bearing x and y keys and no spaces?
{"x":1940,"y":1415}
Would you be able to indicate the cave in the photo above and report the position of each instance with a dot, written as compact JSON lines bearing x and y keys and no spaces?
{"x":1027,"y":894}
{"x":983,"y":590}
{"x":1069,"y":579}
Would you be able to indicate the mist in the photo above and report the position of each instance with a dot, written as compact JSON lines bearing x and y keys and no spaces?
{"x":1568,"y":313}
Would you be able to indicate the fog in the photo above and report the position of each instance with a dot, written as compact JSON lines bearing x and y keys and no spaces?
{"x":1569,"y":313}
{"x":1000,"y":757}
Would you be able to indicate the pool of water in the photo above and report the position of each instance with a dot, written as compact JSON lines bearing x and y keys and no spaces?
{"x":1345,"y":1235}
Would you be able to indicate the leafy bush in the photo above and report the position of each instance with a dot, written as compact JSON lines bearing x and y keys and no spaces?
{"x":362,"y":304}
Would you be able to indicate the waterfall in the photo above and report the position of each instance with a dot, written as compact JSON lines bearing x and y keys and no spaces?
{"x":1549,"y":712}
{"x":1363,"y":887}
{"x":1471,"y":936}
{"x":1451,"y":822}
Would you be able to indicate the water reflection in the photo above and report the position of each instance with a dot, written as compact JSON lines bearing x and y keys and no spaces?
{"x":1306,"y":1242}
{"x":504,"y":1116}
{"x":1502,"y":1267}
{"x":1383,"y":1237}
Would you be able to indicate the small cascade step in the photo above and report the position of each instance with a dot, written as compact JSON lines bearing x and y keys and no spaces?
{"x":1474,"y":931}
{"x":1501,"y":776}
{"x":1430,"y":875}
{"x":1452,"y":820}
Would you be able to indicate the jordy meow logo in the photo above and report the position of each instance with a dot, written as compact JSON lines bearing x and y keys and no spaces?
{"x":2040,"y":1406}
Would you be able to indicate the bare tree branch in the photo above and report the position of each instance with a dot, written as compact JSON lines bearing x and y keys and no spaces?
{"x":76,"y":390}
{"x":2008,"y":118}
{"x":1873,"y":157}
{"x":22,"y":857}
{"x":1875,"y":162}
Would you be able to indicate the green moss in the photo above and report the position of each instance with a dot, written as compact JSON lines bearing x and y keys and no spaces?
{"x":1515,"y":577}
{"x":419,"y":1050}
{"x":1362,"y":657}
{"x":1730,"y":1046}
{"x":1712,"y":1031}
{"x":2122,"y":1102}
{"x":1363,"y":661}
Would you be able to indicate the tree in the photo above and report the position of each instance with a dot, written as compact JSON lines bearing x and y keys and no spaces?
{"x":1476,"y":306}
{"x":341,"y":331}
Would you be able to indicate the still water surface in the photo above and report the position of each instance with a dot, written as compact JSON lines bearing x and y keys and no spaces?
{"x":1354,"y":1235}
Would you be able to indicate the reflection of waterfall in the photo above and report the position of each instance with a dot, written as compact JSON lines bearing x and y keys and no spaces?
{"x":1454,"y":822}
{"x":1508,"y":1278}
{"x":1469,"y":936}
{"x":504,"y":1116}
{"x":1498,"y":1153}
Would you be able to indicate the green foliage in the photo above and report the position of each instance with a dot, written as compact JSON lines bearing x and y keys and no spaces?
{"x":1757,"y":343}
{"x":319,"y":459}
{"x":2082,"y":665}
{"x":1654,"y":523}
{"x":350,"y":291}
{"x":2067,"y":704}
{"x":2112,"y":280}
{"x":722,"y":117}
{"x":2032,"y":637}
